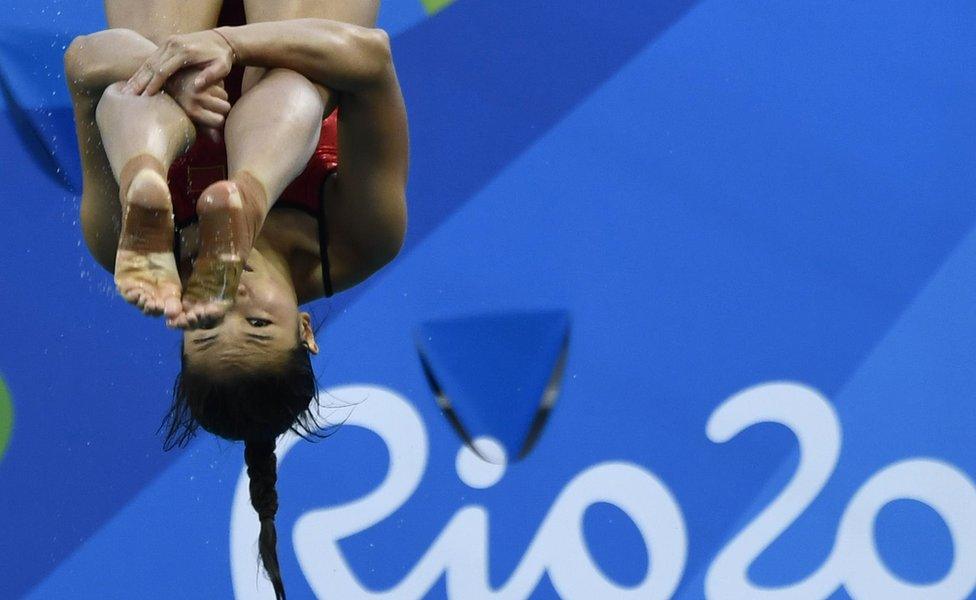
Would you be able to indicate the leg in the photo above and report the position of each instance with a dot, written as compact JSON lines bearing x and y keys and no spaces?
{"x":264,"y":153}
{"x":91,"y":64}
{"x":101,"y":215}
{"x":141,"y":137}
{"x":266,"y":150}
{"x":157,"y":19}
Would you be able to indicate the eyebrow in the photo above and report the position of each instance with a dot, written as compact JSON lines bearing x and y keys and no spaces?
{"x":204,"y":340}
{"x":257,"y":336}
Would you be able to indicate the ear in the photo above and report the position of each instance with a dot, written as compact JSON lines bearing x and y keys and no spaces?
{"x":307,"y":333}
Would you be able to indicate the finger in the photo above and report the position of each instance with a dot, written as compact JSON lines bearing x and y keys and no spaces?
{"x":139,"y":79}
{"x":217,"y":105}
{"x":163,"y":71}
{"x":218,"y":91}
{"x":210,"y":75}
{"x":145,"y":72}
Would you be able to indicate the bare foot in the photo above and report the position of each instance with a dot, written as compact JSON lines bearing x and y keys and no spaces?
{"x":226,"y":235}
{"x":145,"y":269}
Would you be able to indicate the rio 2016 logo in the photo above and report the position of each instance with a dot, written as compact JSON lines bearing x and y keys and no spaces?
{"x":559,"y":549}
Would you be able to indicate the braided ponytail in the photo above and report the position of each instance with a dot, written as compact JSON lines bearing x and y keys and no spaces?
{"x":238,"y":408}
{"x":262,"y":472}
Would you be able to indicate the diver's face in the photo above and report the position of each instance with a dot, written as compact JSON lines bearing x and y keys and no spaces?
{"x":259,"y":332}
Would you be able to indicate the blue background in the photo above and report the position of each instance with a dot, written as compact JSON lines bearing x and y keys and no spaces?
{"x":717,"y":193}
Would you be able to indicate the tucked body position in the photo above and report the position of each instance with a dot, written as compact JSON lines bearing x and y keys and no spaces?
{"x":240,"y":160}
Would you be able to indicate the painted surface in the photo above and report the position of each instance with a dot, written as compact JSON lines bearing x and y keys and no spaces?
{"x":6,"y":417}
{"x":759,"y":220}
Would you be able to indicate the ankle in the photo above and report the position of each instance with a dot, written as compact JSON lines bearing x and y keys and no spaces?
{"x":134,"y":166}
{"x":254,"y":198}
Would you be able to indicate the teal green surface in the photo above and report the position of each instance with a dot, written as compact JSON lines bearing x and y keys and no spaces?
{"x":6,"y":417}
{"x":433,"y":6}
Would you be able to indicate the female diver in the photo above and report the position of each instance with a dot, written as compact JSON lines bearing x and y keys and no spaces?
{"x":218,"y":135}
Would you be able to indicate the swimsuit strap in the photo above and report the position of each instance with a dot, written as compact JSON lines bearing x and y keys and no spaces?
{"x":177,"y":250}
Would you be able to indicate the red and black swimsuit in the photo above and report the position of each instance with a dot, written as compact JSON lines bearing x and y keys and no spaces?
{"x":206,"y":163}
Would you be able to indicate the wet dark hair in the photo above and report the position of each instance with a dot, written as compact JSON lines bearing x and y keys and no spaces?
{"x":255,"y":408}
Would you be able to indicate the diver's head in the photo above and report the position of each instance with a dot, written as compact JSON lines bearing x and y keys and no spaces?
{"x":260,"y":333}
{"x":250,"y":378}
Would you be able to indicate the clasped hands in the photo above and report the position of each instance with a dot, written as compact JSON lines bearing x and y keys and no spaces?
{"x":190,"y":68}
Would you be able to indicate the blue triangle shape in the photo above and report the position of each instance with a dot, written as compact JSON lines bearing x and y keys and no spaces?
{"x":494,"y":373}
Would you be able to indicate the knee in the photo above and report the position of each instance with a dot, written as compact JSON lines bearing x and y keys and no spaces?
{"x":109,"y":103}
{"x":85,"y":59}
{"x":79,"y":68}
{"x":74,"y":59}
{"x":296,"y":94}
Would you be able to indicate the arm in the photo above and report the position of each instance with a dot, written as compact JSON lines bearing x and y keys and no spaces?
{"x":95,"y":61}
{"x":340,"y":56}
{"x":366,"y":202}
{"x":337,"y":55}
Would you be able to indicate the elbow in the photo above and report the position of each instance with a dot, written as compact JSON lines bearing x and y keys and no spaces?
{"x":395,"y":244}
{"x":358,"y":57}
{"x":75,"y":68}
{"x":372,"y":47}
{"x":386,"y":242}
{"x":390,"y":247}
{"x":377,"y":52}
{"x":376,"y":46}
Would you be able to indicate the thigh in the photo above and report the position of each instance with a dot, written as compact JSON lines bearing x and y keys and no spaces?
{"x":357,"y":12}
{"x":100,"y":208}
{"x":158,"y":19}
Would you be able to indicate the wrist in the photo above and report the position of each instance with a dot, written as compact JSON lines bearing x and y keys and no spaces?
{"x":229,"y":36}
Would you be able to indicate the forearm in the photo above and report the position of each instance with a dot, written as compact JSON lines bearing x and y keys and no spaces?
{"x":95,"y":61}
{"x":339,"y":56}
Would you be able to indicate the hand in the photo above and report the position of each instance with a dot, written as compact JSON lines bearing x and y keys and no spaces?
{"x":206,"y":108}
{"x":206,"y":51}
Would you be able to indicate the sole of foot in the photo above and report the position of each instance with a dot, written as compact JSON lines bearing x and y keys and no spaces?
{"x":145,"y":268}
{"x":212,"y":287}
